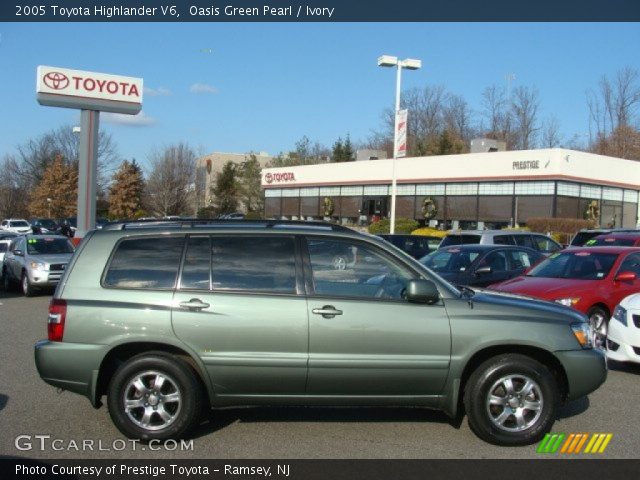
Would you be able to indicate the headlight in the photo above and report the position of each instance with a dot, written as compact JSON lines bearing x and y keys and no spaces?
{"x":568,"y":302}
{"x":38,"y":266}
{"x":583,"y":334}
{"x":620,"y":314}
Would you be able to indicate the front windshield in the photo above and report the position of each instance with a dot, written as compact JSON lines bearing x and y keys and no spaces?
{"x":19,"y":224}
{"x":611,"y":242}
{"x":450,"y":260}
{"x":48,"y":224}
{"x":579,"y":265}
{"x":48,"y":246}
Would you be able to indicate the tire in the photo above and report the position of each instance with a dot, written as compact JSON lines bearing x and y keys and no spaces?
{"x":339,"y":262}
{"x":180,"y":391}
{"x":7,"y":285}
{"x":25,"y":284}
{"x":599,"y":321}
{"x":494,"y":418}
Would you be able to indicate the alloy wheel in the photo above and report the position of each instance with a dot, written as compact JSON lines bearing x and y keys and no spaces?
{"x":514,"y":403}
{"x":152,"y":400}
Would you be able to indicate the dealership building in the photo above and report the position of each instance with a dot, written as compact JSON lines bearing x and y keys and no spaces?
{"x":475,"y":190}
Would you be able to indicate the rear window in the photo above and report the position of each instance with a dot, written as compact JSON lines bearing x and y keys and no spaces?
{"x":460,"y":240}
{"x":19,"y":224}
{"x":145,"y":263}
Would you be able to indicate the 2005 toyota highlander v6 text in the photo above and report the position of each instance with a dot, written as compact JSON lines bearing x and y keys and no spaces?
{"x":163,"y":318}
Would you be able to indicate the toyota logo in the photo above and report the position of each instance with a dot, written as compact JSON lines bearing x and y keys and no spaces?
{"x":56,"y":80}
{"x":268,"y":178}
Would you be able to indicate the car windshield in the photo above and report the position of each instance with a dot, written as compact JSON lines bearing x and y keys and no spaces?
{"x":48,"y":245}
{"x":578,"y":265}
{"x":450,"y":260}
{"x":48,"y":224}
{"x":611,"y":242}
{"x":18,"y":223}
{"x":459,"y":240}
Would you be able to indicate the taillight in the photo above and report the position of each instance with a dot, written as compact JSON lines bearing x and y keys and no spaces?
{"x":55,"y":321}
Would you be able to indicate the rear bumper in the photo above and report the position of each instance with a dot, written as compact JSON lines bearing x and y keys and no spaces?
{"x":70,"y":366}
{"x":586,"y":371}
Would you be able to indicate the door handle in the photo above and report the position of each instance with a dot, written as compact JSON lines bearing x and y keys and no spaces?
{"x":194,"y":304}
{"x":327,"y":311}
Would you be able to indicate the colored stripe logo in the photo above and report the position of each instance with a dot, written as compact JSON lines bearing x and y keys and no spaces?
{"x":574,"y":443}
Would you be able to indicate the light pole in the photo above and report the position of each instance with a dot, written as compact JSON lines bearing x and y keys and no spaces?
{"x":409,"y":64}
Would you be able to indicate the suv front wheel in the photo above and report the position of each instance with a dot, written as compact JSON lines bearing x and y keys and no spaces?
{"x":155,"y":397}
{"x":511,"y":399}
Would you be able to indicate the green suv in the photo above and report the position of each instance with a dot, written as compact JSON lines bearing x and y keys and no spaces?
{"x":164,"y":318}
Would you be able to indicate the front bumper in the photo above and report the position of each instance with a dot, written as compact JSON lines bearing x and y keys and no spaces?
{"x":586,"y":370}
{"x":44,"y":278}
{"x":623,"y":342}
{"x":70,"y":366}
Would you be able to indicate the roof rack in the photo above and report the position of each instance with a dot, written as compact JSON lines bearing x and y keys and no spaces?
{"x":212,"y":222}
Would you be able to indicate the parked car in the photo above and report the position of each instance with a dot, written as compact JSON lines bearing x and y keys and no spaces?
{"x":592,"y":280}
{"x":481,"y":265}
{"x":623,"y":342}
{"x":4,"y":235}
{"x":537,"y":241}
{"x":415,"y":245}
{"x":165,"y":319}
{"x":615,"y":240}
{"x":46,"y":225}
{"x":15,"y":225}
{"x":4,"y":246}
{"x":35,"y":262}
{"x":584,"y":235}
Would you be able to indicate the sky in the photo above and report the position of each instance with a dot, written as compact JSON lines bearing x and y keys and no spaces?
{"x":262,"y":86}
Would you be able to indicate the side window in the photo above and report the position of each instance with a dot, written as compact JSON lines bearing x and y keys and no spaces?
{"x":503,"y":240}
{"x":544,"y":244}
{"x":256,"y":264}
{"x":196,"y":271}
{"x":497,"y":260}
{"x":521,"y":259}
{"x":346,"y":269}
{"x":524,"y":241}
{"x":145,"y":263}
{"x":631,"y":264}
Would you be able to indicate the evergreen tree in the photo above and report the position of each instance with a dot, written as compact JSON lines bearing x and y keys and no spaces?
{"x":250,"y":179}
{"x":347,"y":150}
{"x":125,"y":193}
{"x":338,"y":151}
{"x":56,"y":194}
{"x":226,"y":191}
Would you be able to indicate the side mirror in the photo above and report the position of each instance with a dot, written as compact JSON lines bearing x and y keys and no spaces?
{"x":18,"y":253}
{"x":483,"y":270}
{"x":422,"y":291}
{"x":625,"y":277}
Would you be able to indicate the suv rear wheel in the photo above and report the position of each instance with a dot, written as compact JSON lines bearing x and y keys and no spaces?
{"x":155,"y":397}
{"x":511,"y":399}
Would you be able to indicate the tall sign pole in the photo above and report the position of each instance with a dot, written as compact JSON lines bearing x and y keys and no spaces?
{"x":91,"y":93}
{"x":87,"y":171}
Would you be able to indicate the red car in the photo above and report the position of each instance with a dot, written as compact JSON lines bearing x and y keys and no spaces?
{"x":592,"y":280}
{"x":627,"y":239}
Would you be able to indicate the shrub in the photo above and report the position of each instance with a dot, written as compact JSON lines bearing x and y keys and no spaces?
{"x":430,"y":232}
{"x":567,"y":226}
{"x":403,"y":225}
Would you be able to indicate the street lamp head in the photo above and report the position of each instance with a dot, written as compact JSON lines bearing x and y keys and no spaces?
{"x":387,"y":61}
{"x":411,"y":64}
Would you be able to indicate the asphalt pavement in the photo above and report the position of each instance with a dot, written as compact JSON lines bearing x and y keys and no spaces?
{"x":33,"y":414}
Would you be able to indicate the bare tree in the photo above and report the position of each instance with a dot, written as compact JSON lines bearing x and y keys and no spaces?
{"x":551,"y":137}
{"x":170,"y":187}
{"x":496,"y":110}
{"x":36,"y":154}
{"x":613,"y":114}
{"x":524,"y":105}
{"x":458,"y":118}
{"x":14,"y":191}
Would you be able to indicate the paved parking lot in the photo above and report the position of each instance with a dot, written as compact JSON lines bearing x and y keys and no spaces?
{"x":30,"y":407}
